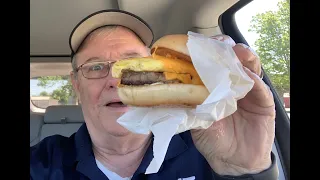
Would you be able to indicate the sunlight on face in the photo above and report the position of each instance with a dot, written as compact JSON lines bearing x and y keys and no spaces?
{"x":96,"y":94}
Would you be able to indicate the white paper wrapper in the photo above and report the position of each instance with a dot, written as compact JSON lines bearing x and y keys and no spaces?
{"x":223,"y":75}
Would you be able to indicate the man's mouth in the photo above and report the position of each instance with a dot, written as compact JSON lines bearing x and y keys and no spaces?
{"x":116,"y":104}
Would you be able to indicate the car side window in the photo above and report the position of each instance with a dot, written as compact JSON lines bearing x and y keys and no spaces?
{"x":266,"y":27}
{"x":51,"y":90}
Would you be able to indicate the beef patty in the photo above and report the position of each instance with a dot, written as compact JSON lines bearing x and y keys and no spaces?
{"x":141,"y":78}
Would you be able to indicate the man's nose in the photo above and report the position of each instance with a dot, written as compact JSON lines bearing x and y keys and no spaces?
{"x":112,"y":83}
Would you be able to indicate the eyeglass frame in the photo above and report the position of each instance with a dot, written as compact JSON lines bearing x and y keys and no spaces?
{"x":109,"y":66}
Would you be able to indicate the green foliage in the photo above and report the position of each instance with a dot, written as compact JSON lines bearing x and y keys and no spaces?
{"x":63,"y":92}
{"x":44,"y":93}
{"x":273,"y":44}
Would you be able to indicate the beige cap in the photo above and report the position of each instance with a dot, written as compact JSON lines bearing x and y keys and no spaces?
{"x":109,"y":17}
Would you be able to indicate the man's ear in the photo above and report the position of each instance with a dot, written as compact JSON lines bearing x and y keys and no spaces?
{"x":75,"y":83}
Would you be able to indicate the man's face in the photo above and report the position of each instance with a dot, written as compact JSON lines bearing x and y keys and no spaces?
{"x":95,"y":94}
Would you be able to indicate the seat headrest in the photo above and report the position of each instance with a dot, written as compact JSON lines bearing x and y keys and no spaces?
{"x":63,"y":114}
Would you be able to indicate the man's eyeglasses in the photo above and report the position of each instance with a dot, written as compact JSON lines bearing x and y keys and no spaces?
{"x":95,"y":70}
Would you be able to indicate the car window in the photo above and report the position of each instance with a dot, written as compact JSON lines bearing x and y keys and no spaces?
{"x":52,"y":90}
{"x":265,"y":26}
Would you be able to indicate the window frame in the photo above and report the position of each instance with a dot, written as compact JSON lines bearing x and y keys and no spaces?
{"x":228,"y":25}
{"x":35,"y":108}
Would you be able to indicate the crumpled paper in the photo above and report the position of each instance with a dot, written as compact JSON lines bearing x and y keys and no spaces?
{"x":223,"y":75}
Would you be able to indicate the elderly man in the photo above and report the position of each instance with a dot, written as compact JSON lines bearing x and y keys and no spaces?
{"x":237,"y":147}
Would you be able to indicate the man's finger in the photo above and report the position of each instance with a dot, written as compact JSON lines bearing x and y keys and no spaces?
{"x":248,"y":58}
{"x":260,"y":94}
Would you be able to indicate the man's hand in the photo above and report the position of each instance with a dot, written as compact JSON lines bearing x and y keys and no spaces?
{"x":241,"y":143}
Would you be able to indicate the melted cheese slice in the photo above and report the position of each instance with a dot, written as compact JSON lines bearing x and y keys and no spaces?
{"x":171,"y":67}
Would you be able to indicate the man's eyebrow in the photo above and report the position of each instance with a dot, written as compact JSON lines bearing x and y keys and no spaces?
{"x":92,"y":59}
{"x":127,"y":55}
{"x":124,"y":55}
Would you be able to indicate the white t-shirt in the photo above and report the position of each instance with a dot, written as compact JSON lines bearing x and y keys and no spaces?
{"x":111,"y":175}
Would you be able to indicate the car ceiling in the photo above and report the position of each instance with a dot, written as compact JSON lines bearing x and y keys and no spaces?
{"x":51,"y":23}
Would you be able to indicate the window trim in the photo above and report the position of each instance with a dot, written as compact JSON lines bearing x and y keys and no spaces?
{"x":36,"y":109}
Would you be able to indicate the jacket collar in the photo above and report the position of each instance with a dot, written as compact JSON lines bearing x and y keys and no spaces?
{"x":85,"y":159}
{"x":176,"y":147}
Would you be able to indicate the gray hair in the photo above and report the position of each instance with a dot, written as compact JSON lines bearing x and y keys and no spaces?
{"x":74,"y":65}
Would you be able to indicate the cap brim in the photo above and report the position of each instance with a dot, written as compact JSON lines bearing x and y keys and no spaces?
{"x":109,"y":17}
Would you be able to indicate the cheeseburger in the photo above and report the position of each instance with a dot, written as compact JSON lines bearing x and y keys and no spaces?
{"x":167,"y":77}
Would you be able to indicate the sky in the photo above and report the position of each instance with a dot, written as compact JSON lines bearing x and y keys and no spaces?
{"x":243,"y":18}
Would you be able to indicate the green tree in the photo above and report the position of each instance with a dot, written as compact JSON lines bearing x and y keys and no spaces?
{"x":273,"y":44}
{"x":44,"y":93}
{"x":63,"y":92}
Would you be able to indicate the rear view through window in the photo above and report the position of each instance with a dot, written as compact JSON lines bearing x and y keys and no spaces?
{"x":266,"y":27}
{"x":52,"y":90}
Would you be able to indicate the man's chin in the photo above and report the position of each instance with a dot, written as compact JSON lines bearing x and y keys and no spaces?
{"x":111,"y":125}
{"x":118,"y":131}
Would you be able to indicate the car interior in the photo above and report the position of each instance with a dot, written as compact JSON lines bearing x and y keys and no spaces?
{"x":51,"y":23}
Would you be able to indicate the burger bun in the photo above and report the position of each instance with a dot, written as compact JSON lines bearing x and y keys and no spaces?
{"x":177,"y":95}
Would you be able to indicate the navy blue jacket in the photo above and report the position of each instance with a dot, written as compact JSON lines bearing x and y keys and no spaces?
{"x":57,"y":157}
